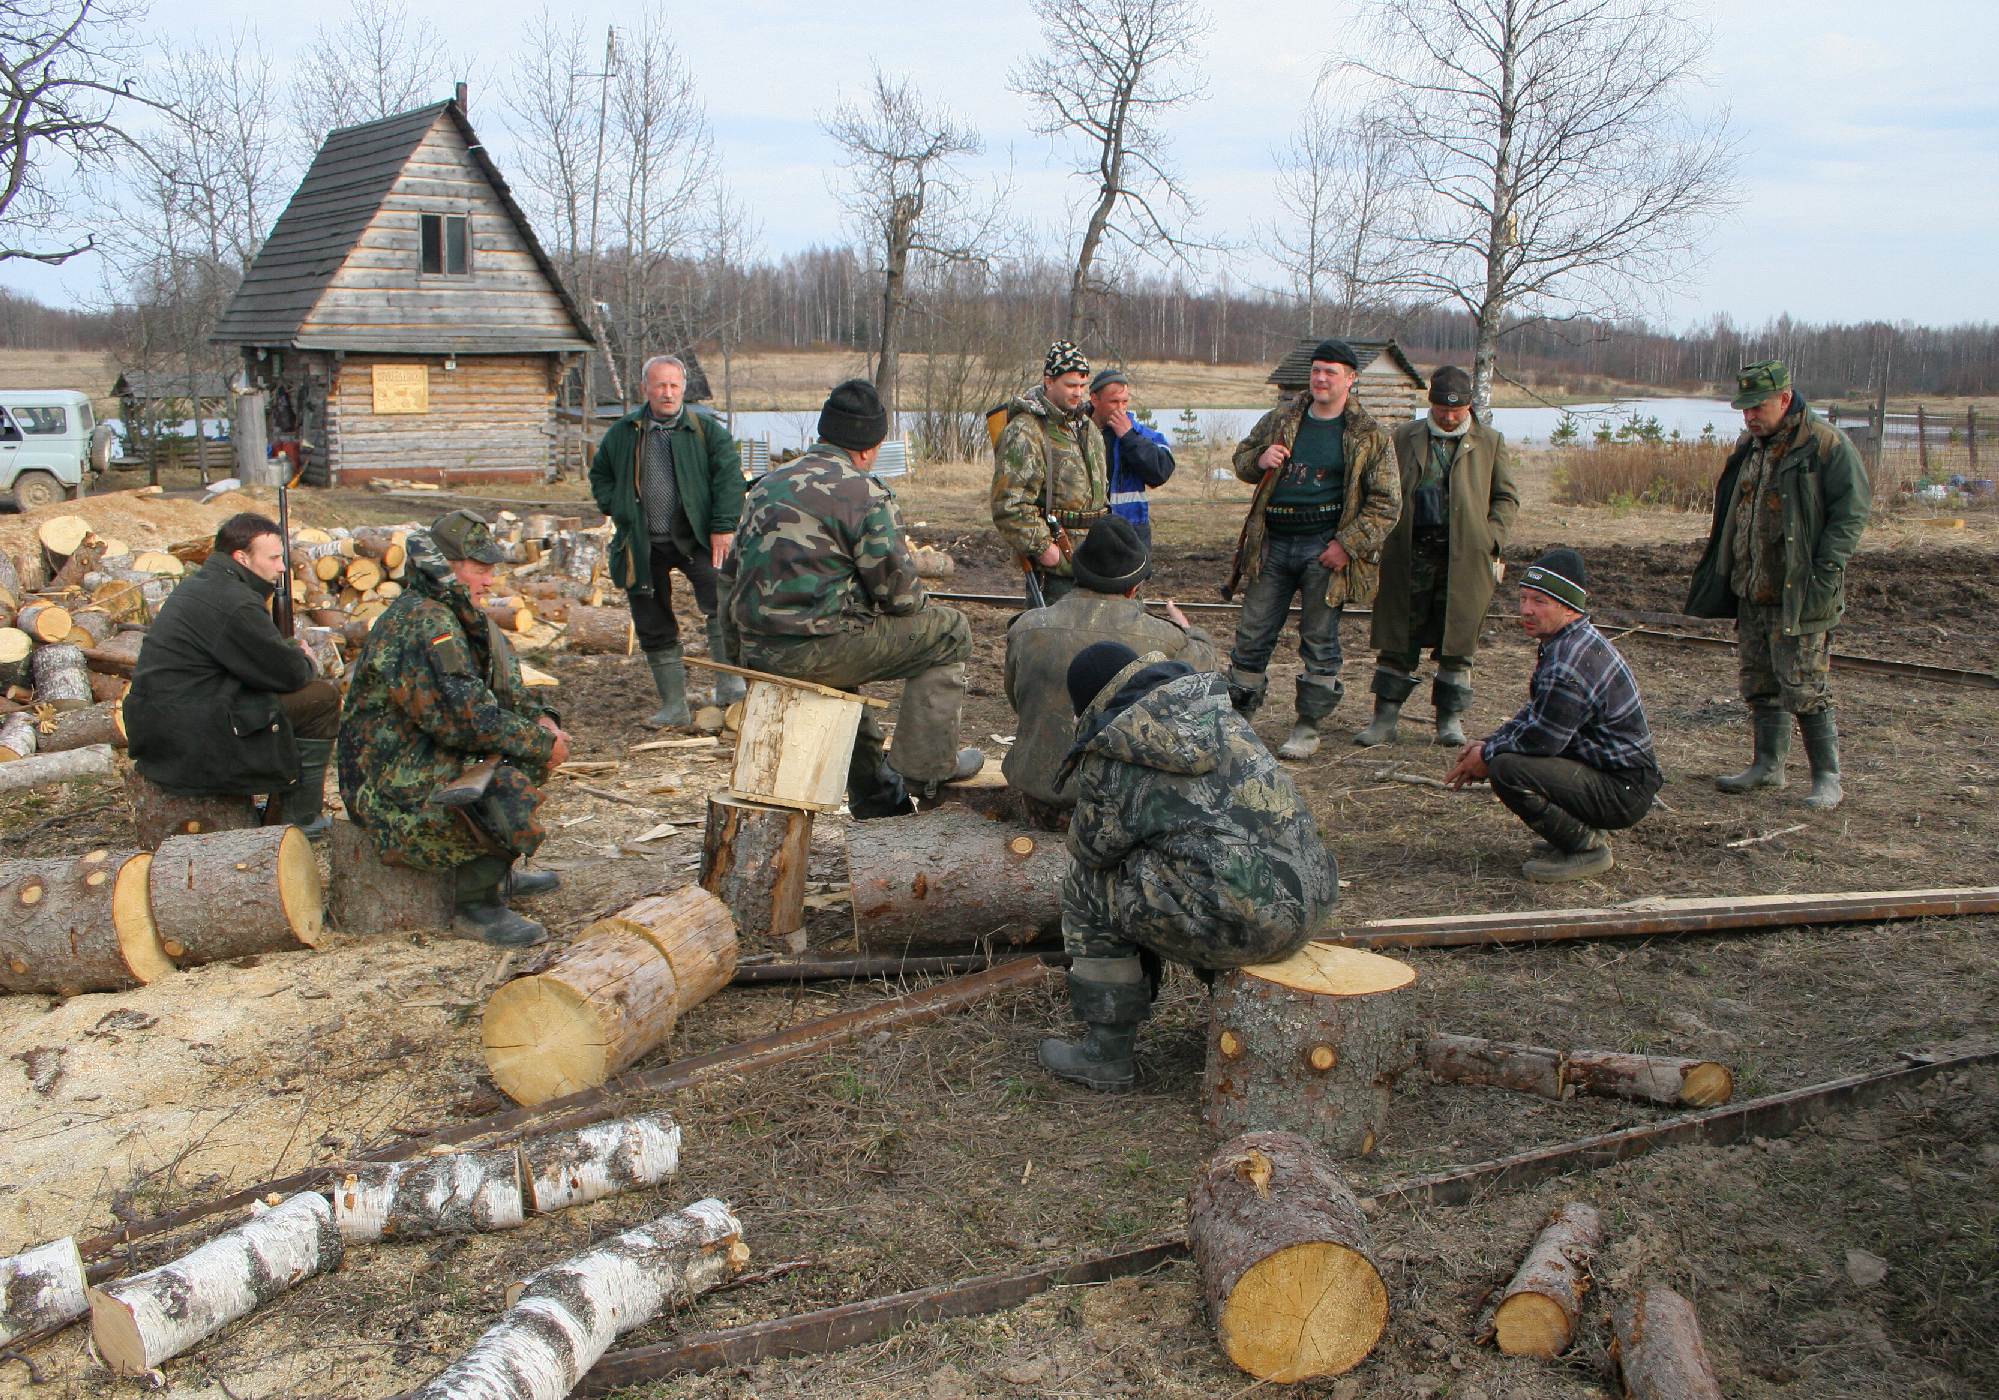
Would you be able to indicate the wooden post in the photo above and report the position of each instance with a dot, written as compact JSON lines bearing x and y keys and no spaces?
{"x":1880,"y":414}
{"x":1922,"y":442}
{"x":253,"y":447}
{"x":1971,"y":439}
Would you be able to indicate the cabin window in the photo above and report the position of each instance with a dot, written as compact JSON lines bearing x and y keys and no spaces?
{"x":446,"y":243}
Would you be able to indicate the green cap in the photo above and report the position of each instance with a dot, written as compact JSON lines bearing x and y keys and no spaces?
{"x":463,"y":535}
{"x":1763,"y":380}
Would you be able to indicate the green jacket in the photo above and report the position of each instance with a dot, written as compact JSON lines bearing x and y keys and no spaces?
{"x":203,"y":713}
{"x":1373,"y":497}
{"x":1483,"y":503}
{"x":1038,"y":441}
{"x":712,"y":498}
{"x":1826,"y":503}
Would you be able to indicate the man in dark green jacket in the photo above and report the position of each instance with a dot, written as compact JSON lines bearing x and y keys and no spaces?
{"x":669,"y":477}
{"x":1788,"y":512}
{"x":220,"y":702}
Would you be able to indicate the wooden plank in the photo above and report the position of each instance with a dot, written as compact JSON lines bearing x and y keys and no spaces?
{"x":705,"y":664}
{"x":1654,"y":917}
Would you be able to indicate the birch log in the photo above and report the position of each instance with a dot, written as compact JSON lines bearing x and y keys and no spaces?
{"x":459,"y":1193}
{"x":82,"y":925}
{"x":41,"y":1288}
{"x":1285,"y":1260}
{"x":228,"y":894}
{"x":91,"y":761}
{"x":1537,"y":1314}
{"x":568,"y":1315}
{"x":1659,"y":1350}
{"x":137,"y":1323}
{"x":604,"y":1159}
{"x":18,"y":738}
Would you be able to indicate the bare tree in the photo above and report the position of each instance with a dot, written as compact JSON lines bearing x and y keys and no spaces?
{"x":1563,"y":174}
{"x":63,"y":66}
{"x":1103,"y":77}
{"x":374,"y":64}
{"x":552,"y":106}
{"x":1337,"y":184}
{"x":906,"y":196}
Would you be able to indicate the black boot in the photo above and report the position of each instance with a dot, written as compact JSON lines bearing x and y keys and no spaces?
{"x":1111,"y":997}
{"x":528,"y":883}
{"x":304,"y":805}
{"x":1577,"y":850}
{"x":1773,"y":746}
{"x":1822,"y":749}
{"x":481,"y":914}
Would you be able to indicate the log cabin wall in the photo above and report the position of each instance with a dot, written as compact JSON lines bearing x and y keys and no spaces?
{"x":490,"y":416}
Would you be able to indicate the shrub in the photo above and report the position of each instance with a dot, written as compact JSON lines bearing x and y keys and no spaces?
{"x":1640,"y":468}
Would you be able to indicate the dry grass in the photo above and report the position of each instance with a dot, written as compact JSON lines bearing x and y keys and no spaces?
{"x":1673,"y":474}
{"x":91,"y":371}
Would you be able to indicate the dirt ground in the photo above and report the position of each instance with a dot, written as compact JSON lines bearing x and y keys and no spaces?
{"x":943,"y":1151}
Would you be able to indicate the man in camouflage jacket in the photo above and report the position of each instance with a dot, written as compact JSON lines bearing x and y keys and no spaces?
{"x":822,"y":587}
{"x":1189,"y":843}
{"x":435,"y":691}
{"x":1327,"y":495}
{"x":1049,"y":460}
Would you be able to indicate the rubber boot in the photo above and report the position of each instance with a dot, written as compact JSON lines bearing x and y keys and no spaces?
{"x":1451,"y":694}
{"x":728,"y":689}
{"x":970,"y":763}
{"x":1575,"y":850}
{"x":669,"y":678}
{"x":1773,"y":746}
{"x":1302,"y":742}
{"x":1111,"y":997}
{"x":1380,"y":730}
{"x":305,"y":805}
{"x":525,"y":884}
{"x":1822,"y":748}
{"x":483,"y":915}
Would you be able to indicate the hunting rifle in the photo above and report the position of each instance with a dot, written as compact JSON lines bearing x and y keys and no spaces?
{"x":469,"y":786}
{"x":281,"y":601}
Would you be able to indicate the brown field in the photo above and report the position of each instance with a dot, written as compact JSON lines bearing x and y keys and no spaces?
{"x":92,"y":372}
{"x":943,"y":1151}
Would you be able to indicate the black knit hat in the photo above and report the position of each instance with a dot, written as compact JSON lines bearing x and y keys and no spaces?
{"x":1559,"y":573}
{"x":1112,"y":558}
{"x":1104,"y":378}
{"x":1092,"y":670}
{"x":1450,"y":387}
{"x":853,"y":417}
{"x":1335,"y":352}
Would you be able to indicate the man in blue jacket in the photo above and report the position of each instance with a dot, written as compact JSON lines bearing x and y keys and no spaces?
{"x":1138,"y":456}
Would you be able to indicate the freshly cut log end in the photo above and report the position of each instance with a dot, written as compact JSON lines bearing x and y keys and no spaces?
{"x":138,"y":1322}
{"x":1707,"y":1085}
{"x":1285,"y":1260}
{"x":1659,"y":1349}
{"x":62,"y":534}
{"x":228,"y":894}
{"x":18,"y":738}
{"x":48,"y":623}
{"x":40,"y":1288}
{"x":1538,"y":1313}
{"x":574,"y":1168}
{"x":457,"y":1194}
{"x":1327,"y":969}
{"x":602,"y":1005}
{"x":84,"y":925}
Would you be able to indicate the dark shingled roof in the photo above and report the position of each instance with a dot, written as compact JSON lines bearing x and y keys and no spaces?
{"x":1294,"y":371}
{"x":347,"y":182}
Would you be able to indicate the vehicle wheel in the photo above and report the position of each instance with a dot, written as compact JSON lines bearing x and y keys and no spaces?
{"x":32,"y":489}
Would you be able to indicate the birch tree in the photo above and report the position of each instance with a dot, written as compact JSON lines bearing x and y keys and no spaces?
{"x":1343,"y":209}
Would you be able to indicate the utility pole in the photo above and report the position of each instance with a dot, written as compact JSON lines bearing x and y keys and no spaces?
{"x":590,"y":308}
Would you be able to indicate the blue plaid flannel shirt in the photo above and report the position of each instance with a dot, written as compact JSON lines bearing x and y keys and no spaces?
{"x":1582,"y":703}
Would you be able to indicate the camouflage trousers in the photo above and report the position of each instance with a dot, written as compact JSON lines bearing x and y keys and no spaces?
{"x":1145,"y":904}
{"x":1789,"y":673}
{"x":925,"y":649}
{"x":504,"y":823}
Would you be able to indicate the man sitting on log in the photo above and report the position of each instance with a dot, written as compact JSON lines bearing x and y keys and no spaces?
{"x":822,"y":588}
{"x":221,"y":703}
{"x":1189,"y":843}
{"x":437,"y":692}
{"x":1577,"y":760}
{"x":1110,"y":565}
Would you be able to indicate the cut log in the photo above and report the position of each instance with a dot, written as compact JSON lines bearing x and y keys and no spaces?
{"x":363,"y":574}
{"x":366,"y":895}
{"x":137,"y":1323}
{"x":90,"y":762}
{"x":16,"y":646}
{"x":513,"y":614}
{"x":1556,"y":1074}
{"x":158,"y":814}
{"x":574,"y":1168}
{"x":91,"y":627}
{"x":932,"y":563}
{"x":62,"y":534}
{"x":78,"y":925}
{"x":459,"y":1193}
{"x":228,"y":894}
{"x":100,"y":723}
{"x":692,"y":929}
{"x":45,"y":621}
{"x":118,"y":654}
{"x":601,"y":631}
{"x":1310,"y":1045}
{"x":31,"y":571}
{"x":1537,"y":1314}
{"x":583,"y":560}
{"x":41,"y":1288}
{"x":1659,"y":1349}
{"x":754,"y":859}
{"x":105,"y":688}
{"x":70,"y":574}
{"x":1285,"y":1260}
{"x":61,"y":677}
{"x":567,"y":1316}
{"x":156,"y":561}
{"x":951,"y":879}
{"x":795,"y":745}
{"x":18,"y":737}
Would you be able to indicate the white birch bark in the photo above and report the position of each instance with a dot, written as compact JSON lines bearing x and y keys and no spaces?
{"x":41,"y":1287}
{"x":626,"y":1154}
{"x":456,"y":1194}
{"x":42,"y":769}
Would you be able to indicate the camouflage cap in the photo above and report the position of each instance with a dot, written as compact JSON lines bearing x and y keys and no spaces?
{"x":1064,"y":357}
{"x":461,"y":534}
{"x":1763,"y":380}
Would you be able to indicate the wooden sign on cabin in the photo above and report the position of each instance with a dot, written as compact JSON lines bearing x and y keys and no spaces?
{"x":402,"y":388}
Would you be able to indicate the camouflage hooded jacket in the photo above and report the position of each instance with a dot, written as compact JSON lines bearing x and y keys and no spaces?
{"x":1037,"y":440}
{"x":1373,"y":497}
{"x":1181,"y":803}
{"x":435,"y":688}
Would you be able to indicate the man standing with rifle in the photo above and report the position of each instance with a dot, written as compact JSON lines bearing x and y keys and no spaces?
{"x":443,"y":750}
{"x":1049,"y":480}
{"x":225,"y":702}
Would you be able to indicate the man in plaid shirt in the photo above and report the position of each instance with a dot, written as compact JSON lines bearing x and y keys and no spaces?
{"x":1577,"y":760}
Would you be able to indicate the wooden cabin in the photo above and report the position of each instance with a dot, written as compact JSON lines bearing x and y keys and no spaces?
{"x":1389,"y":384}
{"x":402,"y":317}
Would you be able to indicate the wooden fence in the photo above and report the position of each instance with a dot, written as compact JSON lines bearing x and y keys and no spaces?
{"x":1908,"y":450}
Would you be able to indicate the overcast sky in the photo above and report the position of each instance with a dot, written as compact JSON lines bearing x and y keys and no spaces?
{"x":1870,"y":131}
